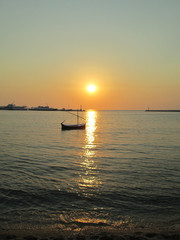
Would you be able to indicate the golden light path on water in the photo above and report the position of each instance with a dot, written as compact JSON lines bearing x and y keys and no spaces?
{"x":89,"y":180}
{"x":89,"y":176}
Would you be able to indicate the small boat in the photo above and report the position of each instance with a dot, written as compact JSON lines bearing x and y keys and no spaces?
{"x":74,"y":126}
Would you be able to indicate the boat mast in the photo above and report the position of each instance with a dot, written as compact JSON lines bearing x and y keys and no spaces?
{"x":77,"y":117}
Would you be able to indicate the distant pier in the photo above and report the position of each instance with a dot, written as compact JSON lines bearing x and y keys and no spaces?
{"x":148,"y":110}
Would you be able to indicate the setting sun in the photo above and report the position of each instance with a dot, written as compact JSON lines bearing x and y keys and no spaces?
{"x":91,"y":88}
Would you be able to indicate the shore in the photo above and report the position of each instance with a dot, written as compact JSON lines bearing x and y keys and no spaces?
{"x":90,"y":234}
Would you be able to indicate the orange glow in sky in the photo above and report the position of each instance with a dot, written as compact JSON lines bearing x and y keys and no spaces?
{"x":118,"y":61}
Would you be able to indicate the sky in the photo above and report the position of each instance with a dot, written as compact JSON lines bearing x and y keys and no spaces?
{"x":50,"y":50}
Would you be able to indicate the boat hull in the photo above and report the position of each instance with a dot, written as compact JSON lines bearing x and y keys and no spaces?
{"x":73,"y":127}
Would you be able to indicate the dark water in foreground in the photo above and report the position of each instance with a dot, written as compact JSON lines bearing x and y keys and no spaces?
{"x":123,"y":170}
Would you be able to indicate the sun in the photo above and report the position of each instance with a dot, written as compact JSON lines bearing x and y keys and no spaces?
{"x":91,"y":88}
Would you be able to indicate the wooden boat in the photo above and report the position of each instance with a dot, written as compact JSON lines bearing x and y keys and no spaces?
{"x":74,"y":126}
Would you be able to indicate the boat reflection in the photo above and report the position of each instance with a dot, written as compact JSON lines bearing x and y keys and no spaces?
{"x":89,"y":174}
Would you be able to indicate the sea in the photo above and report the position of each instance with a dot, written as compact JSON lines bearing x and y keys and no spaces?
{"x":122,"y":171}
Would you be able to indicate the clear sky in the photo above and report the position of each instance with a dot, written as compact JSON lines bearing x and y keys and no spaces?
{"x":50,"y":50}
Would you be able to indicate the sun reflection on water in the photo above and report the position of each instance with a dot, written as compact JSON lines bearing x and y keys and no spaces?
{"x":89,"y":174}
{"x":90,"y":130}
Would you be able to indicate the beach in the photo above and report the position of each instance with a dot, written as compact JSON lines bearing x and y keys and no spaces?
{"x":97,"y":233}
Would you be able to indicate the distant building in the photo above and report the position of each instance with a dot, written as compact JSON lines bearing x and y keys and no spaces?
{"x":13,"y":107}
{"x":43,"y":108}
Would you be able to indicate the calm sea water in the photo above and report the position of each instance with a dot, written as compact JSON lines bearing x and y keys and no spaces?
{"x":123,"y":170}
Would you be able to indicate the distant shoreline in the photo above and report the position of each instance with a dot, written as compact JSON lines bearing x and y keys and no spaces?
{"x":13,"y":107}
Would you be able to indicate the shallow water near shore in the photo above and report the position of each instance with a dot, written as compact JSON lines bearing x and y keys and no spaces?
{"x":121,"y":172}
